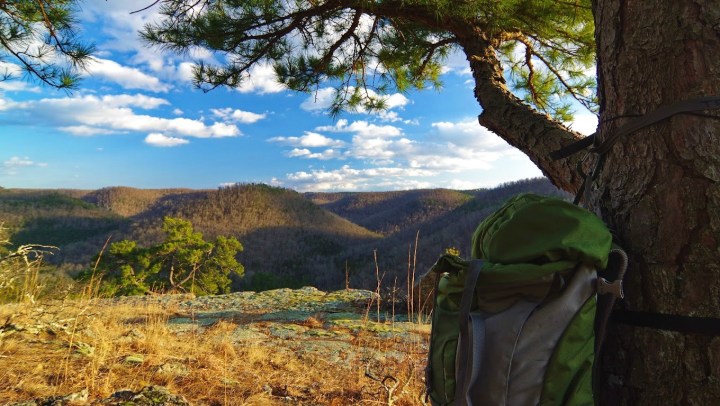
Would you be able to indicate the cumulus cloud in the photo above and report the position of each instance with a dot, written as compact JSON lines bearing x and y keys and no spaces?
{"x":161,"y":140}
{"x":17,"y":86}
{"x":452,"y":154}
{"x":469,"y":134}
{"x":10,"y":72}
{"x":186,"y":71}
{"x":322,"y":99}
{"x":363,"y":129}
{"x":306,"y":153}
{"x":319,"y":100}
{"x":310,"y":140}
{"x":347,"y":178}
{"x":118,"y":35}
{"x":261,"y":79}
{"x":127,"y":77}
{"x":240,"y":116}
{"x":453,"y":147}
{"x":90,"y":115}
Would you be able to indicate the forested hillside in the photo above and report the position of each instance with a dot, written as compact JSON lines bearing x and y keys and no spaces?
{"x":290,"y":239}
{"x":391,"y":212}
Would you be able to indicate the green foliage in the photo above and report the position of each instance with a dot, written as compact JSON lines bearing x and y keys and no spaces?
{"x":183,"y":262}
{"x":370,"y":48}
{"x":40,"y":38}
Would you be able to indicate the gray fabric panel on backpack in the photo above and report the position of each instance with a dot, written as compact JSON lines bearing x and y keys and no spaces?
{"x":538,"y":340}
{"x":501,"y":332}
{"x":518,"y":346}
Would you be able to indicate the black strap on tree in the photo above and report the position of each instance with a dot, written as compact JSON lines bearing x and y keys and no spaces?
{"x":671,"y":322}
{"x":601,"y":149}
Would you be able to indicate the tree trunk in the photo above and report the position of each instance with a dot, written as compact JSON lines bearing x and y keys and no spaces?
{"x":505,"y":114}
{"x":659,"y":193}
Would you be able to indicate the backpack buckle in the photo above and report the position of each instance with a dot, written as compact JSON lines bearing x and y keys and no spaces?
{"x":614,"y":288}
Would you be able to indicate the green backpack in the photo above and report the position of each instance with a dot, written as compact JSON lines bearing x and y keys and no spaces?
{"x":516,"y":324}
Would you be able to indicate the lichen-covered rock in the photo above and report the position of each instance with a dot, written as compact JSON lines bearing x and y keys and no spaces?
{"x":148,"y":396}
{"x":72,"y":399}
{"x":340,"y":330}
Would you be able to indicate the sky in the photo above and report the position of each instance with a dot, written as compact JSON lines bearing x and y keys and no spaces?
{"x":136,"y":120}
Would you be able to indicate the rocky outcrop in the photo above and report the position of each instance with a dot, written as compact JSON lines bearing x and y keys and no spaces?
{"x":343,"y":332}
{"x":148,"y":396}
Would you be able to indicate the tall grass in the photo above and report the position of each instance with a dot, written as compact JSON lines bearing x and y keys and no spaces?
{"x":112,"y":346}
{"x":20,"y":278}
{"x":105,"y":345}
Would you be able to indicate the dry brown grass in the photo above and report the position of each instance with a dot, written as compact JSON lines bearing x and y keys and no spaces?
{"x":63,"y":348}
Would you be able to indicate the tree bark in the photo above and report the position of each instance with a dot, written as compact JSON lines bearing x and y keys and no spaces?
{"x":659,"y":193}
{"x":534,"y":133}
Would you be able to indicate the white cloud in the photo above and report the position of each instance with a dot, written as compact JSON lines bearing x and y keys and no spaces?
{"x":89,"y":115}
{"x":322,"y":99}
{"x":15,"y":163}
{"x":455,"y":154}
{"x":457,"y":64}
{"x":393,"y":116}
{"x":306,"y":153}
{"x":223,"y":130}
{"x":454,"y":147}
{"x":84,"y":130}
{"x":136,"y":100}
{"x":119,"y":32}
{"x":261,"y":79}
{"x":17,"y":86}
{"x":7,"y":68}
{"x":585,"y":122}
{"x":363,"y":129}
{"x":319,"y":100}
{"x":240,"y":116}
{"x":469,"y":134}
{"x":128,"y":78}
{"x":298,"y":152}
{"x":161,"y":140}
{"x":378,"y":149}
{"x":310,"y":139}
{"x":347,"y":178}
{"x":396,"y":100}
{"x":185,"y":71}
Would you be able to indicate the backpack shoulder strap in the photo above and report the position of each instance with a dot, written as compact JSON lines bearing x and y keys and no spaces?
{"x":471,"y":341}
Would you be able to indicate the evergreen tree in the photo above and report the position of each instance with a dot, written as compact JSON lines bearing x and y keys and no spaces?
{"x":183,"y":262}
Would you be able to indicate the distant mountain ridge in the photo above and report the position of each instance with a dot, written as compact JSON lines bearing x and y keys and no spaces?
{"x":290,"y":239}
{"x":391,"y":212}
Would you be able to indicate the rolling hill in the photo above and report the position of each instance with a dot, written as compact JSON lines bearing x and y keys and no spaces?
{"x":290,"y":239}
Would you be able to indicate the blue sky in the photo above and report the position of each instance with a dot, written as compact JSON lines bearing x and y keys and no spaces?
{"x":137,"y":121}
